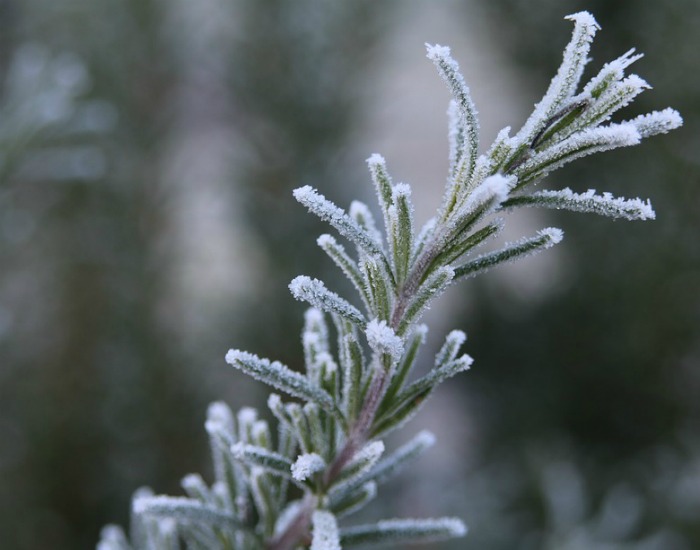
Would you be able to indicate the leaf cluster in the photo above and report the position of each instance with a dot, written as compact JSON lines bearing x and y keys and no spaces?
{"x":328,"y":457}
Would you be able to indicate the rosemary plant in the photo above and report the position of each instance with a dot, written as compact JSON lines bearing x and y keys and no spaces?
{"x":328,"y":458}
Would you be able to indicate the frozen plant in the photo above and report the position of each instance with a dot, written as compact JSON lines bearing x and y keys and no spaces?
{"x":328,"y":458}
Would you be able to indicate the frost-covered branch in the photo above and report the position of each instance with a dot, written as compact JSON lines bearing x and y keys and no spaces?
{"x":329,"y":446}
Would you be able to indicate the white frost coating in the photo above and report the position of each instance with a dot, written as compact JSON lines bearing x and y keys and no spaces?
{"x":326,"y":240}
{"x":424,"y":439}
{"x":112,"y":537}
{"x":260,"y":429}
{"x":274,"y":402}
{"x":402,"y":189}
{"x":238,"y":450}
{"x":315,"y":293}
{"x":278,"y":376}
{"x":565,"y":82}
{"x":452,"y":527}
{"x":307,"y":465}
{"x":345,"y":224}
{"x":553,"y":234}
{"x":496,"y":187}
{"x":382,"y":339}
{"x":191,"y":481}
{"x":611,"y":72}
{"x":436,"y":52}
{"x":605,"y":204}
{"x":246,"y":415}
{"x":219,"y":412}
{"x":362,"y":215}
{"x":580,"y":144}
{"x":370,"y":453}
{"x":325,"y":531}
{"x":454,"y":340}
{"x":375,"y":159}
{"x":657,"y":122}
{"x":144,"y":505}
{"x":313,"y":318}
{"x":449,"y":71}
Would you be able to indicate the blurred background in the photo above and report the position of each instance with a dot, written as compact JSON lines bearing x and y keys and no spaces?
{"x":148,"y":149}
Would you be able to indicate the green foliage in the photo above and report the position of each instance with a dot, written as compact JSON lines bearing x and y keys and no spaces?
{"x":329,"y":445}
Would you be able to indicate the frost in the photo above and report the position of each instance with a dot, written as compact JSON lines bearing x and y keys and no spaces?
{"x":325,"y":531}
{"x":494,"y":187}
{"x":657,"y":122}
{"x":612,"y":71}
{"x":375,"y":159}
{"x":553,"y":235}
{"x":260,"y":457}
{"x":370,"y":453}
{"x":279,"y":376}
{"x":448,"y":352}
{"x":315,"y":293}
{"x":467,"y":123}
{"x":329,"y":212}
{"x":563,"y":85}
{"x":246,"y":415}
{"x":307,"y":465}
{"x":382,"y":339}
{"x":605,"y":204}
{"x":580,"y":144}
{"x":405,"y":531}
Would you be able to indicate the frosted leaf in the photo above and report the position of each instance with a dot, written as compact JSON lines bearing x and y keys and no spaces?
{"x":325,"y":531}
{"x":349,"y":503}
{"x":370,"y":453}
{"x":254,"y":455}
{"x":220,"y":420}
{"x":347,"y":265}
{"x":220,"y":412}
{"x":182,"y":509}
{"x":382,"y":184}
{"x":581,"y":144}
{"x":307,"y":465}
{"x":362,"y":215}
{"x":354,"y":473}
{"x":605,"y":204}
{"x":345,"y":224}
{"x":455,"y":135}
{"x":112,"y":537}
{"x":611,"y":72}
{"x":469,"y":125}
{"x":565,"y":82}
{"x":397,"y":531}
{"x":494,"y":188}
{"x":657,"y":122}
{"x":194,"y":486}
{"x":382,"y":339}
{"x":552,"y":235}
{"x":434,"y":285}
{"x":448,"y":352}
{"x":261,"y":433}
{"x":279,"y":376}
{"x":315,"y":293}
{"x":375,"y":159}
{"x":545,"y":238}
{"x":246,"y":415}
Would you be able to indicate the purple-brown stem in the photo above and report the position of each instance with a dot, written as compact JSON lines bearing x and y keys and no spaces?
{"x":297,"y":530}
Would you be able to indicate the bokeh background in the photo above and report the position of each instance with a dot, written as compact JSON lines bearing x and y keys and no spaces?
{"x":148,"y":149}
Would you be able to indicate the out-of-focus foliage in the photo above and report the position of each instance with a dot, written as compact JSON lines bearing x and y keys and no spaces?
{"x":102,"y":389}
